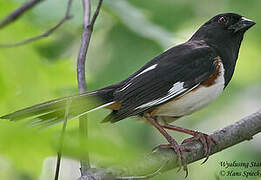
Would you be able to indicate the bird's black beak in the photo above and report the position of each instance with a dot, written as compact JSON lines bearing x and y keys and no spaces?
{"x":243,"y":25}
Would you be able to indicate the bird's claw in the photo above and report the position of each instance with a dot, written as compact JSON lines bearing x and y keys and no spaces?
{"x":179,"y":150}
{"x":206,"y":140}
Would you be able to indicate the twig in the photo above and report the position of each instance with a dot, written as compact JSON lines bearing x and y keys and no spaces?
{"x":86,"y":36}
{"x":96,"y":13}
{"x":83,"y":121}
{"x":86,"y":12}
{"x":46,"y":33}
{"x":59,"y":153}
{"x":231,"y":135}
{"x":18,"y":12}
{"x":85,"y":41}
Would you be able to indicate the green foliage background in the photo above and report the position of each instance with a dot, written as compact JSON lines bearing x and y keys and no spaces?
{"x":128,"y":33}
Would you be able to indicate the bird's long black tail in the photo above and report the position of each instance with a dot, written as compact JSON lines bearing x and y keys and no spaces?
{"x":52,"y":112}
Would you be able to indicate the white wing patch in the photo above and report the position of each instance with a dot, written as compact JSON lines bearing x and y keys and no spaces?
{"x":125,"y":87}
{"x":146,"y":70}
{"x":177,"y":88}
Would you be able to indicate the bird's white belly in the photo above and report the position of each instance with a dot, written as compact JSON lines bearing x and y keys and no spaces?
{"x":192,"y":101}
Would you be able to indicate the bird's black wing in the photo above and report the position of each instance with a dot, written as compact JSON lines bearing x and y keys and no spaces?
{"x":170,"y":75}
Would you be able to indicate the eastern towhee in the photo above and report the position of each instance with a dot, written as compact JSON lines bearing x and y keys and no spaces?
{"x":176,"y":83}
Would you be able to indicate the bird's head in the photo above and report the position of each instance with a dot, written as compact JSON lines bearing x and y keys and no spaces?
{"x":231,"y":23}
{"x":227,"y":25}
{"x":224,"y":32}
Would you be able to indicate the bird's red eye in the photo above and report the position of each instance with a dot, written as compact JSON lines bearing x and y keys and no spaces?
{"x":222,"y":20}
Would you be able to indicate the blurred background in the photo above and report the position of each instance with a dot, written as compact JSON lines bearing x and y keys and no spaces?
{"x":127,"y":34}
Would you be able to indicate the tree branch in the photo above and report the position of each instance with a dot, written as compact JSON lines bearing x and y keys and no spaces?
{"x":47,"y":32}
{"x":86,"y":36}
{"x":231,"y":135}
{"x":85,"y":41}
{"x":18,"y":12}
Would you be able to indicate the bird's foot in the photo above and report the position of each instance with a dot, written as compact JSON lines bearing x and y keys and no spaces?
{"x":206,"y":140}
{"x":179,"y":150}
{"x":172,"y":143}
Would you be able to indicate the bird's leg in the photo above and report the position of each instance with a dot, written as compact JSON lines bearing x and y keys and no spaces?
{"x":205,"y":139}
{"x":172,"y":142}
